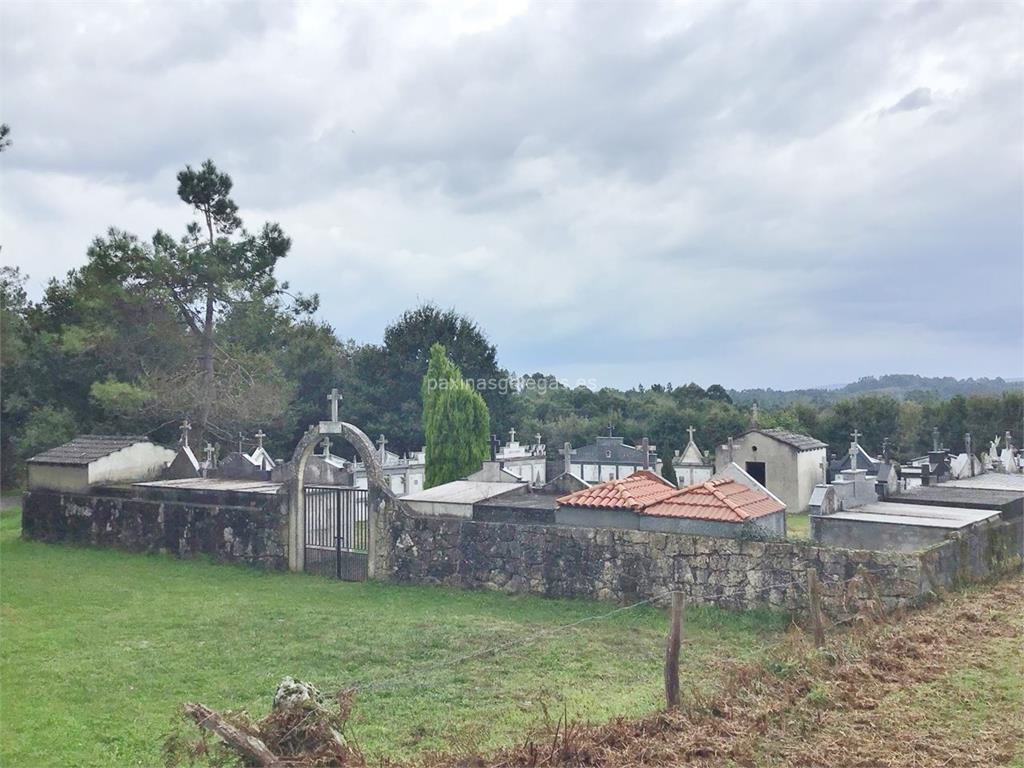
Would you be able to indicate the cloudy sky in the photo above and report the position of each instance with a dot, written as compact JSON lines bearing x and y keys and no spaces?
{"x":757,"y":194}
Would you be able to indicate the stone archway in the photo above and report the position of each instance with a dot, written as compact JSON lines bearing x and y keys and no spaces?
{"x":379,"y":491}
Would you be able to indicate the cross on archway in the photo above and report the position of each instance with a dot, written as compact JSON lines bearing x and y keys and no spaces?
{"x":335,"y":399}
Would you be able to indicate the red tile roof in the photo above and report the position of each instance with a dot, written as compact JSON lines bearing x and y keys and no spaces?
{"x":636,"y":492}
{"x":717,"y":499}
{"x":647,"y":494}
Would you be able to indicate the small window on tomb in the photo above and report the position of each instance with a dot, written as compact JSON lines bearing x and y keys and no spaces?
{"x":607,"y":454}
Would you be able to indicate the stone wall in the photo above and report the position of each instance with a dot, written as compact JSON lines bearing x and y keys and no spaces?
{"x":228,"y":526}
{"x":626,"y":566}
{"x":981,"y":553}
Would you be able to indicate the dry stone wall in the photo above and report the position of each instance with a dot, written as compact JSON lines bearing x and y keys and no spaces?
{"x":626,"y":566}
{"x":227,"y":526}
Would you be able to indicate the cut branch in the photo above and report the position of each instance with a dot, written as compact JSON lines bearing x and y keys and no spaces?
{"x":246,"y":744}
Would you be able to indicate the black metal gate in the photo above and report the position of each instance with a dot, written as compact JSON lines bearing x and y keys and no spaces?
{"x":337,"y":531}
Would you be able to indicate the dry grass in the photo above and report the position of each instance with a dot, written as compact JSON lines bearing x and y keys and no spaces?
{"x":875,"y":696}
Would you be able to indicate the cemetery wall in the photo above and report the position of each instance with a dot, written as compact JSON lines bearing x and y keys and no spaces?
{"x":228,"y":526}
{"x":981,"y":553}
{"x":627,"y":566}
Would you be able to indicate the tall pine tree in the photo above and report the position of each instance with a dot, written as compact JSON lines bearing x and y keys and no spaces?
{"x":455,"y":421}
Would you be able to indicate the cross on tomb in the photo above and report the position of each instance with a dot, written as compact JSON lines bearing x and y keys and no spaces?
{"x":691,"y":430}
{"x":512,"y":435}
{"x":381,"y":442}
{"x":1009,"y":439}
{"x":186,"y":427}
{"x":209,"y":450}
{"x":334,"y":398}
{"x":259,"y":438}
{"x":494,"y":447}
{"x":537,"y":438}
{"x":854,"y":448}
{"x":610,"y":429}
{"x":241,"y":437}
{"x":856,"y":434}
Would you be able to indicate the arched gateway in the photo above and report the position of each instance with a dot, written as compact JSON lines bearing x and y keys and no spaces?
{"x":342,"y":519}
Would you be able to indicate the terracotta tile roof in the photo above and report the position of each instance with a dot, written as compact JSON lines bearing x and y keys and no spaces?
{"x":718,"y":499}
{"x":637,"y":492}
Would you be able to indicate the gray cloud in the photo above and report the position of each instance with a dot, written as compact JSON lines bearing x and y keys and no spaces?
{"x":715,"y":175}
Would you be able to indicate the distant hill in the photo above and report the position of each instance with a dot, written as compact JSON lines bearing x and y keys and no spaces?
{"x":898,"y":385}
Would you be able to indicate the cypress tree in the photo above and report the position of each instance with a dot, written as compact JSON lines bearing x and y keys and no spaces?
{"x":455,"y":421}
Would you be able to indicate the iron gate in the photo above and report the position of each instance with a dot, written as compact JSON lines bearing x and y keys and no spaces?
{"x":337,"y":531}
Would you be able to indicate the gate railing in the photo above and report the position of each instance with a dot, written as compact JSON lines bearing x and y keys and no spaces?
{"x":337,"y":531}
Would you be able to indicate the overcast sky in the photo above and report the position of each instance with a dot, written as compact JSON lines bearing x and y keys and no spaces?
{"x":753,"y":194}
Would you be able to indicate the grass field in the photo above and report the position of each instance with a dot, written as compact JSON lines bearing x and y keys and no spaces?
{"x":798,"y":526}
{"x":98,"y":649}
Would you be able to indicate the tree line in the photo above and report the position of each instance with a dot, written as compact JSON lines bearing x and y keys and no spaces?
{"x":151,"y":331}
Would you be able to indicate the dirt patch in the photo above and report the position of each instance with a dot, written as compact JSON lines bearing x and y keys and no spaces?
{"x":846,"y":705}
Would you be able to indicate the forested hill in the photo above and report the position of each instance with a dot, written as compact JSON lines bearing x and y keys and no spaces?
{"x":902,"y":386}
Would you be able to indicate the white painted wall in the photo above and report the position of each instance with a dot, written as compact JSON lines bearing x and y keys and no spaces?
{"x":136,"y":463}
{"x":789,"y":474}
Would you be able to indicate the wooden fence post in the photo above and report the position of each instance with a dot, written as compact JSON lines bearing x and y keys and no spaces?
{"x":675,"y":635}
{"x":814,"y":601}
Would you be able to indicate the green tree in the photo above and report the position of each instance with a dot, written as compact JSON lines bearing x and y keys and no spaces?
{"x":455,"y":421}
{"x":667,"y":470}
{"x":5,"y":136}
{"x":216,"y":265}
{"x":383,"y":388}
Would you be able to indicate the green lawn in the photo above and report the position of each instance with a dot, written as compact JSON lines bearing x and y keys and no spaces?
{"x":98,"y":649}
{"x":798,"y":526}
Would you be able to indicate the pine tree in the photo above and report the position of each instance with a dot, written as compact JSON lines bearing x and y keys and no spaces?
{"x":455,"y":421}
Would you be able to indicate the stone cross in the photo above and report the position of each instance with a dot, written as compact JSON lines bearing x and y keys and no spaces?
{"x":208,"y":450}
{"x":512,"y":435}
{"x":334,"y":398}
{"x":611,"y":428}
{"x":691,"y":430}
{"x":186,"y":427}
{"x":567,"y":451}
{"x":259,"y":438}
{"x":1008,"y":438}
{"x":381,"y":442}
{"x":537,"y":438}
{"x":885,"y":448}
{"x":241,"y":437}
{"x":494,"y":447}
{"x":854,"y":448}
